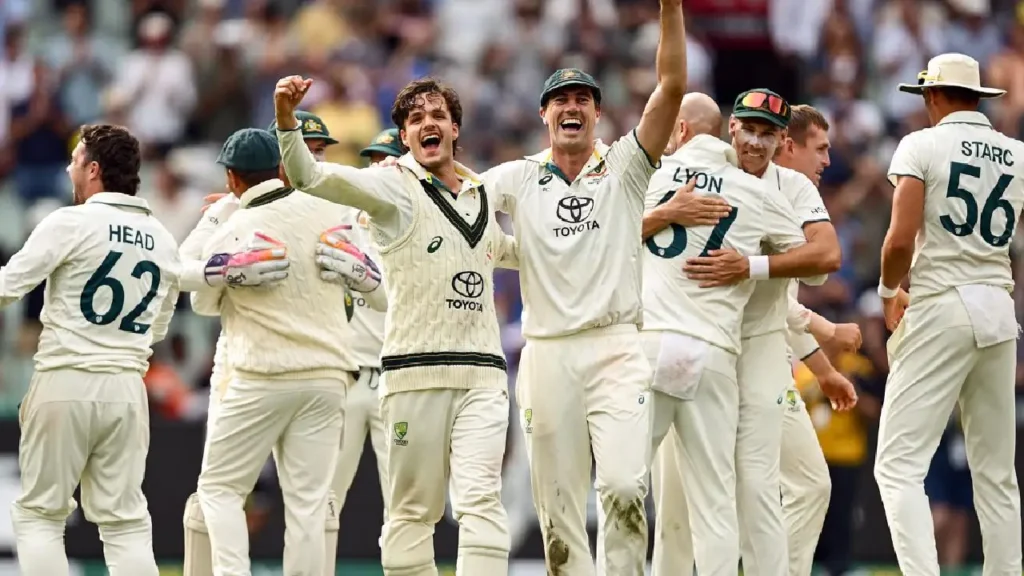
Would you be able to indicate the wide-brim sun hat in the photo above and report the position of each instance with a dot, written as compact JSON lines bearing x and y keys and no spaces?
{"x":952,"y":71}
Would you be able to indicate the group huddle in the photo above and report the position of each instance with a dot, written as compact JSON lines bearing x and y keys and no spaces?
{"x":658,"y":277}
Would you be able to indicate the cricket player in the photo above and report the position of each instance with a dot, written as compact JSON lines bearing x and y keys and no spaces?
{"x":290,"y":367}
{"x":444,"y":393}
{"x":387,"y":144}
{"x":583,"y":381}
{"x":959,"y":192}
{"x":340,"y":263}
{"x":111,"y":272}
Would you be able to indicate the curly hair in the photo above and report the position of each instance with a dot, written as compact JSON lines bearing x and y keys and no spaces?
{"x":410,"y":98}
{"x":116,"y":151}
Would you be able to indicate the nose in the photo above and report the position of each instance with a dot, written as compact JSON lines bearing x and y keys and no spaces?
{"x":827,"y":161}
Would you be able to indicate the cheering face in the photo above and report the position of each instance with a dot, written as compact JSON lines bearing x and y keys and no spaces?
{"x":318,"y":147}
{"x":81,"y":171}
{"x":812,"y":157}
{"x":429,"y":132}
{"x":571,"y":116}
{"x":755,"y":142}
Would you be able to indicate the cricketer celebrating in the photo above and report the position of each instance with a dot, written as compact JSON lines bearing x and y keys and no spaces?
{"x":111,"y":270}
{"x":692,"y":334}
{"x":290,"y":368}
{"x":444,"y":386}
{"x":959,"y":189}
{"x":583,"y":378}
{"x":340,"y":263}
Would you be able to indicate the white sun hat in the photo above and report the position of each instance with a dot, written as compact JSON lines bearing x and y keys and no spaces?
{"x":953,"y":70}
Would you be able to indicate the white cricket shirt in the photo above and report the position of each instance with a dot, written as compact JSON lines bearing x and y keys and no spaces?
{"x":298,"y":328}
{"x":766,"y":311}
{"x":672,"y":302}
{"x":579,"y":259}
{"x":367,"y":323}
{"x":111,"y":271}
{"x":438,"y":251}
{"x":974,"y":191}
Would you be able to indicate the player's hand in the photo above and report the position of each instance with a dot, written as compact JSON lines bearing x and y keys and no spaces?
{"x":342,"y":262}
{"x":846,"y":339}
{"x":387,"y":162}
{"x":718,"y":268}
{"x":688,"y":209}
{"x":263,"y":263}
{"x":894,"y":308}
{"x":211,"y":199}
{"x":288,"y":93}
{"x":839,"y":390}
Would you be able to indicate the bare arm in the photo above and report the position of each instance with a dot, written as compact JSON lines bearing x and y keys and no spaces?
{"x":659,"y":116}
{"x":904,"y":224}
{"x":820,"y":255}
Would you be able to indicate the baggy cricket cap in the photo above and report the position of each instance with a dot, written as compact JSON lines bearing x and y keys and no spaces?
{"x":387,"y":142}
{"x":312,"y":127}
{"x":569,"y":77}
{"x":953,"y":71}
{"x":762,"y":104}
{"x":250,"y":150}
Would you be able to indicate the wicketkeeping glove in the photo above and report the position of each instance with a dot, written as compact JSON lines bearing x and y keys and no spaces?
{"x":342,"y":262}
{"x":263,"y":262}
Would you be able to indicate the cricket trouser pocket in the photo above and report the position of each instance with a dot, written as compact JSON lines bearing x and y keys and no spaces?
{"x":679,"y":365}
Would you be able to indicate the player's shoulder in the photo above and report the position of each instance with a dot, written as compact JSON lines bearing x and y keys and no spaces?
{"x":793,"y":178}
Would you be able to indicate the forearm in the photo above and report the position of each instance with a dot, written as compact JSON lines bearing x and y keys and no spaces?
{"x":345,"y":185}
{"x":671,"y":56}
{"x":818,"y":363}
{"x":806,"y":262}
{"x":655,"y":220}
{"x":896,"y":260}
{"x":163,"y":319}
{"x":193,"y":276}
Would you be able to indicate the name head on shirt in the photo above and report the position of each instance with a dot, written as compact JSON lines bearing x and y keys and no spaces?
{"x":984,"y":151}
{"x":704,"y":181}
{"x":129,"y":235}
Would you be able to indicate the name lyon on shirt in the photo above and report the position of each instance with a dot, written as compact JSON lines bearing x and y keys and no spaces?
{"x":704,"y":181}
{"x":128,"y":235}
{"x":575,"y":212}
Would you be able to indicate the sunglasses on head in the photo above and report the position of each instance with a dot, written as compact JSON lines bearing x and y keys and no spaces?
{"x":769,"y":102}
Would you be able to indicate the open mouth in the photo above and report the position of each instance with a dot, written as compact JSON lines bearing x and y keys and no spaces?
{"x":572,"y":125}
{"x":431,"y":142}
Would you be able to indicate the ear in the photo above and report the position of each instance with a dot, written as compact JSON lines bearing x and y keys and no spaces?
{"x":543,"y":117}
{"x":404,"y":137}
{"x":94,"y":170}
{"x":789,"y":145}
{"x":597,"y":116}
{"x":733,"y":125}
{"x":455,"y":131}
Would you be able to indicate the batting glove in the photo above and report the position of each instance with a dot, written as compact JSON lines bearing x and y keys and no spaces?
{"x":263,"y":262}
{"x":342,"y":262}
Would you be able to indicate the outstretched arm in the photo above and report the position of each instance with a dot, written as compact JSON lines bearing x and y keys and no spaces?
{"x":659,"y":117}
{"x":47,"y":247}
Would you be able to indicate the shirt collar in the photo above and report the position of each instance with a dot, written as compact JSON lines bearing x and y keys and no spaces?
{"x":710,"y":147}
{"x":118,"y":199}
{"x":259,"y":190}
{"x":966,"y":117}
{"x":544,"y":159}
{"x":469,"y":178}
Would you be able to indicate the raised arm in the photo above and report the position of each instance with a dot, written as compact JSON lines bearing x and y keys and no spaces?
{"x":659,"y":116}
{"x":47,"y":247}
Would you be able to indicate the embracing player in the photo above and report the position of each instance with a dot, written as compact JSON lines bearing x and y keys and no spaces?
{"x":444,"y":388}
{"x":959,"y":191}
{"x":111,"y":270}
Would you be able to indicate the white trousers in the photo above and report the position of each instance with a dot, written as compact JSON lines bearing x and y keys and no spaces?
{"x":300,"y":421}
{"x":362,"y":417}
{"x":89,"y":428}
{"x":936,"y":364}
{"x":582,"y":394}
{"x":445,"y":438}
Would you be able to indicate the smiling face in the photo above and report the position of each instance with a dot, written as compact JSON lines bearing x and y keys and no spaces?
{"x":755,"y":142}
{"x":811,"y":158}
{"x":571,"y":115}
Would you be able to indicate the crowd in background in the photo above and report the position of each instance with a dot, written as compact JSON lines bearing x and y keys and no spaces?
{"x":183,"y":75}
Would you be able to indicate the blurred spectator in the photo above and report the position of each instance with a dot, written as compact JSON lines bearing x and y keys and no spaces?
{"x":177,"y":206}
{"x":40,"y":136}
{"x":972,"y":31}
{"x":909,"y":34}
{"x":345,"y":105}
{"x":1007,"y":72}
{"x":270,"y":54}
{"x":223,"y":94}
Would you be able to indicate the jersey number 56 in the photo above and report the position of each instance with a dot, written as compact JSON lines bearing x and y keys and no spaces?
{"x":101,"y":279}
{"x":994,"y":201}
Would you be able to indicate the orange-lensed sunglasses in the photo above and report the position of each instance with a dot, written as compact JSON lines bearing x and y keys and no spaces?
{"x":774,"y":104}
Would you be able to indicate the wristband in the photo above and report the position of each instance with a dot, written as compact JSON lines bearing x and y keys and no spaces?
{"x":758,"y":267}
{"x":885,"y":292}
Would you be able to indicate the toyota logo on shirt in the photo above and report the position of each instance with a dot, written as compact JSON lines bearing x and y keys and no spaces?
{"x":469,"y":285}
{"x":573,"y":209}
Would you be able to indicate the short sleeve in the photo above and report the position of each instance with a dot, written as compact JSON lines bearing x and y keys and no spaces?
{"x":909,"y":159}
{"x":502,"y":184}
{"x":807,"y":202}
{"x":782,"y":229}
{"x":661,"y":184}
{"x":631,"y":163}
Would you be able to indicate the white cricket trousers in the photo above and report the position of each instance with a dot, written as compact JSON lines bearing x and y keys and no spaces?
{"x":706,"y":456}
{"x":300,"y":421}
{"x":806,"y":485}
{"x":89,"y":428}
{"x":763,"y":373}
{"x":442,"y":438}
{"x":673,"y":541}
{"x":577,"y":394}
{"x":362,"y":417}
{"x":936,"y":364}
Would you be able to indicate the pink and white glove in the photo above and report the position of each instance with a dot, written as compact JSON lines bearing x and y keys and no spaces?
{"x":263,"y":262}
{"x":342,"y":262}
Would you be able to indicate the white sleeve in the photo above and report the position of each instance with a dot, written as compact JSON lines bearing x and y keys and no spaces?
{"x":803,"y":344}
{"x":502,"y":184}
{"x":630,"y":162}
{"x":207,"y":302}
{"x":662,"y":182}
{"x":48,"y":246}
{"x":163,"y":318}
{"x":193,"y":265}
{"x":783,"y":231}
{"x":909,"y":159}
{"x":807,"y":202}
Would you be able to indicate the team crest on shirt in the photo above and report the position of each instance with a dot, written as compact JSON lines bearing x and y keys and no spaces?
{"x":528,"y":420}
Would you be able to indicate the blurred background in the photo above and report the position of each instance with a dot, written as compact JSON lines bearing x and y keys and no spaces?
{"x":184,"y":74}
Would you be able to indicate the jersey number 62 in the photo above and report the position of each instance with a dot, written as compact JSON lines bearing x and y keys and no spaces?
{"x":101,"y":279}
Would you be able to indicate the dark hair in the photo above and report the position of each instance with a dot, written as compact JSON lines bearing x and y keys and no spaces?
{"x":957,"y":95}
{"x":801,"y":120}
{"x":408,"y":100}
{"x":251,"y":179}
{"x":116,"y":151}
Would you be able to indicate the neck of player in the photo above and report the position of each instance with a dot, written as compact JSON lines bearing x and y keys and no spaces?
{"x":571,"y":163}
{"x":448,"y":176}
